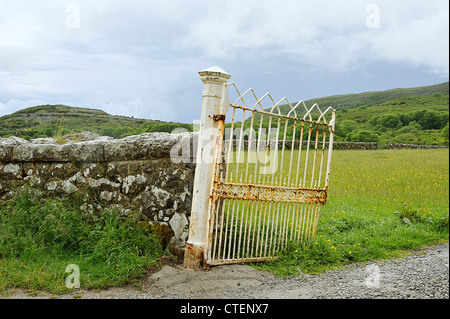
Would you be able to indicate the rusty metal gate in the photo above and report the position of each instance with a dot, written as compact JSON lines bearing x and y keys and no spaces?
{"x":271,"y":173}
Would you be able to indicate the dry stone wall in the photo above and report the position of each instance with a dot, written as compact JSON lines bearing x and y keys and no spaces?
{"x":413,"y":146}
{"x":135,"y":173}
{"x":288,"y":145}
{"x":150,"y":173}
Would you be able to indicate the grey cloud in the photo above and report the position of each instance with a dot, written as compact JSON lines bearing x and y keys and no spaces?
{"x":141,"y":57}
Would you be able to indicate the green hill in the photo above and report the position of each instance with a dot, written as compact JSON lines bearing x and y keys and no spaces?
{"x":409,"y":120}
{"x":349,"y":101}
{"x":411,"y":116}
{"x":58,"y":120}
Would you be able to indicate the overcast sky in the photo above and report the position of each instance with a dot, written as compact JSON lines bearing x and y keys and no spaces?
{"x":141,"y":58}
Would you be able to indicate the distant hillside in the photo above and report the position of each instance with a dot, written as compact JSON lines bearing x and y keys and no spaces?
{"x":410,"y":120}
{"x":58,"y":120}
{"x":349,"y":101}
{"x":411,"y":116}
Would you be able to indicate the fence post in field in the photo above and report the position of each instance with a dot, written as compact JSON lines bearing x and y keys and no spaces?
{"x":214,"y":91}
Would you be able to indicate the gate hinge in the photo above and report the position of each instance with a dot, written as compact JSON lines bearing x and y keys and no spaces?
{"x":219,"y":117}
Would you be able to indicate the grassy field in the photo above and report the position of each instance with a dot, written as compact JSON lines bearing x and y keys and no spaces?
{"x":40,"y":237}
{"x":381,"y":203}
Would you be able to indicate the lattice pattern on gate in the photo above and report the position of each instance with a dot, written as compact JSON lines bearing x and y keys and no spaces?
{"x":272,"y":168}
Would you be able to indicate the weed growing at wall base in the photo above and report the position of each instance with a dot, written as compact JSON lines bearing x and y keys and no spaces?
{"x":40,"y":237}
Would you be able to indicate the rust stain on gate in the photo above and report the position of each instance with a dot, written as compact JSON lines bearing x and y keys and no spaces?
{"x":267,"y":188}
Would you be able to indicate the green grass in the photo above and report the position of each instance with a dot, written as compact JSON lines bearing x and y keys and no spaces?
{"x":40,"y":237}
{"x":381,"y":204}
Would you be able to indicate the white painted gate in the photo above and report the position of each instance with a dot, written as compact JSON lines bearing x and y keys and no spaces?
{"x":266,"y":176}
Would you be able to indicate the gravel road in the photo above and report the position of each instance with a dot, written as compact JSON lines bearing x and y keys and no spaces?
{"x":422,"y":275}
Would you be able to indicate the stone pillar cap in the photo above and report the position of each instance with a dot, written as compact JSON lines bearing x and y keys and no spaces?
{"x":216,"y":69}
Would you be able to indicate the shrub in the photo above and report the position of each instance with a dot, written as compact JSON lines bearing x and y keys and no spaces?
{"x":445,"y":134}
{"x":49,"y":132}
{"x":362,"y":136}
{"x":390,"y":120}
{"x":345,"y":127}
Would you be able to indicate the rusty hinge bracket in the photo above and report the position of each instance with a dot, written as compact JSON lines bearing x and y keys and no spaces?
{"x":219,"y":117}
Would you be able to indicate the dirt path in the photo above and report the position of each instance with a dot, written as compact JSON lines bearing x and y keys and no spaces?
{"x":423,"y":274}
